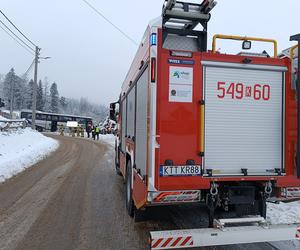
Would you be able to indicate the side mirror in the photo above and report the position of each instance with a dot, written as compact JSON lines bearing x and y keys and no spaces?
{"x":112,"y":111}
{"x":247,"y":45}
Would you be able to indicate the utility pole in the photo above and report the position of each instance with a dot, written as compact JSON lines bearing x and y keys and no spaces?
{"x":36,"y":62}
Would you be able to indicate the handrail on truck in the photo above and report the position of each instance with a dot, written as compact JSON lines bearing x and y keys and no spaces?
{"x":244,"y":38}
{"x":202,"y":117}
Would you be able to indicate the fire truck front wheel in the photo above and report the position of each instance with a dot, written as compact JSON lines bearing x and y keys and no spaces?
{"x":129,"y":200}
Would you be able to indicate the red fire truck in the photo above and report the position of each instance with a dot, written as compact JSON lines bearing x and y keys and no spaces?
{"x":196,"y":125}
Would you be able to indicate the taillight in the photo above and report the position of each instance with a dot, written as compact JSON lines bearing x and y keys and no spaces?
{"x":153,"y":69}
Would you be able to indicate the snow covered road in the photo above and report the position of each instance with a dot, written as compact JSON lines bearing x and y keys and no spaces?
{"x":22,"y":148}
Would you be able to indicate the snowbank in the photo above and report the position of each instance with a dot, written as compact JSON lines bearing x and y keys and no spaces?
{"x":3,"y":118}
{"x":283,"y":213}
{"x":22,"y":148}
{"x":109,"y":139}
{"x":3,"y":124}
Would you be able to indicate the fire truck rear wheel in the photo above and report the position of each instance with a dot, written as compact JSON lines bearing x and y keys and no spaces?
{"x":129,"y":200}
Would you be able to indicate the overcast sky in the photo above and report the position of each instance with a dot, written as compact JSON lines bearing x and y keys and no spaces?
{"x":89,"y":58}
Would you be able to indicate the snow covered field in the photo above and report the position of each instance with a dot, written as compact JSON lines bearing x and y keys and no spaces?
{"x":22,"y":148}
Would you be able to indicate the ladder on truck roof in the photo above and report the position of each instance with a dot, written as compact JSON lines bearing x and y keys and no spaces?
{"x":250,"y":230}
{"x":179,"y":20}
{"x":186,"y":16}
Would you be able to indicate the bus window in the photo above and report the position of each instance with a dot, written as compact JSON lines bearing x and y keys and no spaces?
{"x":54,"y":118}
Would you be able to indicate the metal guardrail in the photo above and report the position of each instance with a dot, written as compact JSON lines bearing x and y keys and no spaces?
{"x":6,"y":125}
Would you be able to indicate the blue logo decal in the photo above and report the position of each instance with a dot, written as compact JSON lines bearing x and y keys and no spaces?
{"x":185,"y":62}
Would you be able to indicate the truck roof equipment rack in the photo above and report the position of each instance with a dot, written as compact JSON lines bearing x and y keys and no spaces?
{"x":183,"y":15}
{"x":180,"y":18}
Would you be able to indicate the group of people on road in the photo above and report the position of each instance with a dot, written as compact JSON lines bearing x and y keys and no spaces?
{"x":74,"y":131}
{"x":91,"y":130}
{"x":94,"y":130}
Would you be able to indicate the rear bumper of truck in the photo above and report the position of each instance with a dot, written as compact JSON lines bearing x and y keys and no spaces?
{"x":178,"y":239}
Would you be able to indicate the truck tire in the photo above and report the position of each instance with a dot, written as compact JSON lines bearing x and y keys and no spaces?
{"x":129,"y":200}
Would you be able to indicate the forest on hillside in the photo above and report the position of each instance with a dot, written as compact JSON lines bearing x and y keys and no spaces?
{"x":18,"y":90}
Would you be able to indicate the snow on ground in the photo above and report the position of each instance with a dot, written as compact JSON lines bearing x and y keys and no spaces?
{"x":109,"y":139}
{"x":22,"y":148}
{"x":3,"y":119}
{"x":3,"y":124}
{"x":284,"y":213}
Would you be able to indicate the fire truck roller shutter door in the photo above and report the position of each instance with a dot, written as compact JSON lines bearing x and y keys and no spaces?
{"x":123,"y":146}
{"x":243,"y":120}
{"x":141,"y":122}
{"x":130,"y":113}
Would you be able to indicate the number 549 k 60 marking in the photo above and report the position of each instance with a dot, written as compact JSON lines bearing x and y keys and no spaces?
{"x":240,"y":91}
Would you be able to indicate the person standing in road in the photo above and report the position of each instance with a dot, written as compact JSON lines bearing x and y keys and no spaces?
{"x":62,"y":130}
{"x":89,"y":129}
{"x":97,"y":132}
{"x":78,"y":131}
{"x":81,"y":131}
{"x":93,"y":133}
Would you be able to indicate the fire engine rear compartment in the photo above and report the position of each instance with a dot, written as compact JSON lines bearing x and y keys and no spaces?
{"x":244,"y":119}
{"x":243,"y":133}
{"x":244,"y":129}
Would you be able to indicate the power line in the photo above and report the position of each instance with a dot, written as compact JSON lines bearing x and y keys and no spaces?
{"x":111,"y":23}
{"x":16,"y":40}
{"x":16,"y":36}
{"x":17,"y":28}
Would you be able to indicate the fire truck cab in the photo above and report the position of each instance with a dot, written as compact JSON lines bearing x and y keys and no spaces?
{"x":196,"y":125}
